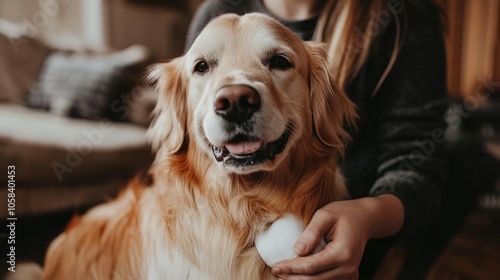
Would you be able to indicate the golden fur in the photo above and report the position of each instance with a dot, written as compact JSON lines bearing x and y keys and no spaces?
{"x":198,"y":219}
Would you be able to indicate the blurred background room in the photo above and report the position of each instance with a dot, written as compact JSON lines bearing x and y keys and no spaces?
{"x":74,"y":111}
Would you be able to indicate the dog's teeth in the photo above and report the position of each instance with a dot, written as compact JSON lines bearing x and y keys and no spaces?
{"x":218,"y":153}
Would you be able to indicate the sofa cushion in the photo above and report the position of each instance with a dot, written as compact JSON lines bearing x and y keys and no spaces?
{"x":83,"y":85}
{"x":20,"y":61}
{"x":47,"y":148}
{"x":33,"y":200}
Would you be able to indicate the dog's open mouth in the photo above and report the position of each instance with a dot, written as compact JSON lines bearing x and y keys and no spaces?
{"x":245,"y":151}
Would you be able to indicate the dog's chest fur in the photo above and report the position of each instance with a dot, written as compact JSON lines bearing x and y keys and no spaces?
{"x":152,"y":233}
{"x":208,"y":235}
{"x":209,"y":231}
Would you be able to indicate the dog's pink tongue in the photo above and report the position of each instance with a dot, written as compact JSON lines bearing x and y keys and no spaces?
{"x":244,"y":148}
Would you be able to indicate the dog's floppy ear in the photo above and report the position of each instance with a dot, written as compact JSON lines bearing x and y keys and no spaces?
{"x":168,"y":129}
{"x":331,"y":109}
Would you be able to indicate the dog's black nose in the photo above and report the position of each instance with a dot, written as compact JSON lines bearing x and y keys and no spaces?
{"x":237,"y":103}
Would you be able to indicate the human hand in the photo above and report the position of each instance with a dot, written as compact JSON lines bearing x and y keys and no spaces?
{"x":346,"y":226}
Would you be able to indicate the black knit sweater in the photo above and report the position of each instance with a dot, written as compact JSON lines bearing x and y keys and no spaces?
{"x":396,"y":148}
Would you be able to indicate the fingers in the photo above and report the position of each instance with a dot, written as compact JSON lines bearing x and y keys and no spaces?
{"x":327,"y":275}
{"x":335,"y":261}
{"x":313,"y":267}
{"x":304,"y":265}
{"x":321,"y":223}
{"x":333,"y":273}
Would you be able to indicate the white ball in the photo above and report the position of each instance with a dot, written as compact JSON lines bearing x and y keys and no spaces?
{"x":275,"y":244}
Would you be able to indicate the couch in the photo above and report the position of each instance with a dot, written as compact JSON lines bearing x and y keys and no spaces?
{"x":72,"y":123}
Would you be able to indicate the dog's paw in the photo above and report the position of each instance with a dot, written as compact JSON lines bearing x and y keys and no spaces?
{"x":275,"y":244}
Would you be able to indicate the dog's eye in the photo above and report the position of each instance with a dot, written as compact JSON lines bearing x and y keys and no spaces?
{"x":201,"y":67}
{"x":279,"y":62}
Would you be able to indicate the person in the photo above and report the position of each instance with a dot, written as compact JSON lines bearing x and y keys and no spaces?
{"x":388,"y":55}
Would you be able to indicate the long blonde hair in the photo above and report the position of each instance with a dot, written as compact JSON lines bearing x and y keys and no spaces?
{"x":350,"y":27}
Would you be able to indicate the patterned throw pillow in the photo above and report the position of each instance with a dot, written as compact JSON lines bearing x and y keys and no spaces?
{"x":84,"y":86}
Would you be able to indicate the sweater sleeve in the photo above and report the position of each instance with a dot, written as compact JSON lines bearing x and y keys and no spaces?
{"x":411,"y":104}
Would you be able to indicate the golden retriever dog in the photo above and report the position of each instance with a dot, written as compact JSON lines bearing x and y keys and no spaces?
{"x":249,"y":128}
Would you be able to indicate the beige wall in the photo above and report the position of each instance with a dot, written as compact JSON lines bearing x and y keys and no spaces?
{"x":46,"y":21}
{"x":163,"y":30}
{"x":101,"y":24}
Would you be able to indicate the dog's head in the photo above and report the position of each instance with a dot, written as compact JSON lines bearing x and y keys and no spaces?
{"x":249,"y":92}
